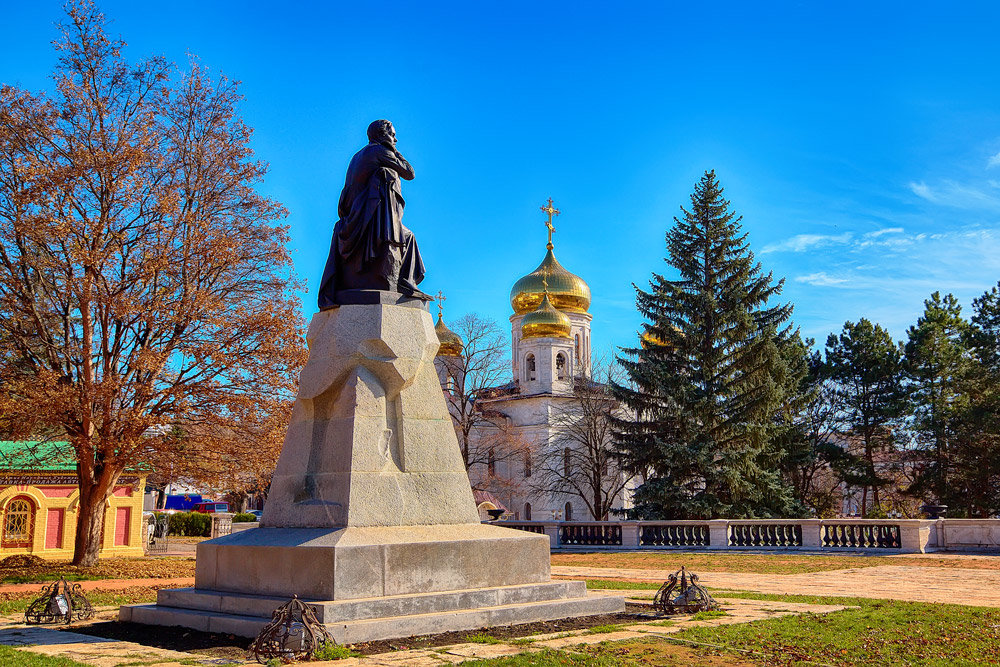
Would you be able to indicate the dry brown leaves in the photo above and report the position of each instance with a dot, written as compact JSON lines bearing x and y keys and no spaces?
{"x":111,"y":568}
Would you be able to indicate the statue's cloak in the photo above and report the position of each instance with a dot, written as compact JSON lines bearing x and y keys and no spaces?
{"x":371,"y":222}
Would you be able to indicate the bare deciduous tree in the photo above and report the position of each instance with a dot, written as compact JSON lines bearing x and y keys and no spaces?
{"x":489,"y":443}
{"x":579,"y":459}
{"x":143,"y":280}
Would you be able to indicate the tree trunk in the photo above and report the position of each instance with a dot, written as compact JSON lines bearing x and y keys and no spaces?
{"x":90,"y":518}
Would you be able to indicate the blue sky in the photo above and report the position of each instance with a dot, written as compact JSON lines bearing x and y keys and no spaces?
{"x":860,"y":143}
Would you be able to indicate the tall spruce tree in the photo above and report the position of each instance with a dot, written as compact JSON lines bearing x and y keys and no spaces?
{"x":708,"y":380}
{"x":939,"y":366}
{"x":976,"y":451}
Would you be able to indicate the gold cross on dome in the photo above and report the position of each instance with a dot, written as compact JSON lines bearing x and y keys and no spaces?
{"x":548,"y":223}
{"x":441,"y":298}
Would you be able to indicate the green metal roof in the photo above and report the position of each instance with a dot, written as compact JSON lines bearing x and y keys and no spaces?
{"x":36,"y":455}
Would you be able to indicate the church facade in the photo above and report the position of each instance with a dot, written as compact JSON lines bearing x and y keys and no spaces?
{"x":550,"y":357}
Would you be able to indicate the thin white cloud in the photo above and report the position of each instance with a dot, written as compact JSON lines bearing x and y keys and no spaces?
{"x":821,"y":279}
{"x":921,"y":190}
{"x":956,"y":195}
{"x":882,"y":232}
{"x":889,"y":237}
{"x":994,"y":161}
{"x":803,"y":242}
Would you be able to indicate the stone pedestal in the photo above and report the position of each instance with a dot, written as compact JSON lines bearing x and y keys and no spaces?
{"x":370,"y":505}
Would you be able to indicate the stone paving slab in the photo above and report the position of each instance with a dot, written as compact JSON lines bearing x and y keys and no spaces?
{"x":417,"y":657}
{"x":979,"y":588}
{"x":480,"y":651}
{"x":576,"y":639}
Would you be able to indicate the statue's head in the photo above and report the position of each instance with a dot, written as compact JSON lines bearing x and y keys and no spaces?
{"x":382,"y":132}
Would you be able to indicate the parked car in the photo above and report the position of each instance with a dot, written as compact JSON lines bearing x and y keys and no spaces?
{"x":256,"y":513}
{"x":211,"y":507}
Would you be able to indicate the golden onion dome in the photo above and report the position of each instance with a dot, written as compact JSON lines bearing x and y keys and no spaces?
{"x":567,"y":291}
{"x":546,"y":322}
{"x":451,"y":342}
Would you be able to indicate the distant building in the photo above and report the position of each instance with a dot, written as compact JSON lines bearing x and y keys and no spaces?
{"x":39,"y":500}
{"x":550,"y":337}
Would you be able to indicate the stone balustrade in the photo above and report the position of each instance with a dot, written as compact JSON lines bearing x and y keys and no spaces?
{"x":888,"y":535}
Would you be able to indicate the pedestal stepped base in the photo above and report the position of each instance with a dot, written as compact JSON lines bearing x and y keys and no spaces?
{"x":373,"y":619}
{"x":370,"y":516}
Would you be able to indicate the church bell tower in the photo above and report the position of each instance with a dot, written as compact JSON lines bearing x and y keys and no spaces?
{"x":550,"y":327}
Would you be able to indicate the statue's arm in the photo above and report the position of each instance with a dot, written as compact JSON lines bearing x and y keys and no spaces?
{"x":391,"y":159}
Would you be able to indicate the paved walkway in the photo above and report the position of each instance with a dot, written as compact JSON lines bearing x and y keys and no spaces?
{"x":110,"y":653}
{"x":979,"y":588}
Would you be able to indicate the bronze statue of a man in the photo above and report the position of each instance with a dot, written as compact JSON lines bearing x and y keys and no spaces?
{"x":371,"y":250}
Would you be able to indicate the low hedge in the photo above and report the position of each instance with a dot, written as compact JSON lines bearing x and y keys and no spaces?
{"x":190,"y":524}
{"x":244,"y":517}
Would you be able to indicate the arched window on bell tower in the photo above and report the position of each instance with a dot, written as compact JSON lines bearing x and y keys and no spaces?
{"x":560,"y":366}
{"x":529,"y":368}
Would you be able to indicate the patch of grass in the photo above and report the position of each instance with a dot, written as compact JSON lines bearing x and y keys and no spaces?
{"x":618,"y":654}
{"x":522,"y":641}
{"x":106,"y":568}
{"x":708,"y":615}
{"x":664,"y":624}
{"x":482,"y":638}
{"x":603,"y":629}
{"x":334,"y":652}
{"x":9,"y":657}
{"x":790,"y":563}
{"x":805,"y":599}
{"x":877,"y":632}
{"x":17,"y":603}
{"x":598,"y":584}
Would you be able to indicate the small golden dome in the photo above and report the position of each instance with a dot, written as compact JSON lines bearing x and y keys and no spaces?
{"x":648,"y":339}
{"x":567,"y":291}
{"x":546,"y":322}
{"x":451,"y":342}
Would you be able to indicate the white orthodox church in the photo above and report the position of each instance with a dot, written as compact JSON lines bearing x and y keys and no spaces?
{"x":550,"y":351}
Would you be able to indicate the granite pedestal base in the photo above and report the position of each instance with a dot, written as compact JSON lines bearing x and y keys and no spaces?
{"x":374,"y":583}
{"x":373,"y":619}
{"x":365,"y":562}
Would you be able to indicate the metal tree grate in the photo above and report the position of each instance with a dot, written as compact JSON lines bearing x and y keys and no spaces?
{"x":294,"y":633}
{"x":59,"y":603}
{"x":682,"y":594}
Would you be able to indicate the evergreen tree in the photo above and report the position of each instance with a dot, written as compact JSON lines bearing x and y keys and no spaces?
{"x":976,"y":448}
{"x":866,"y":366}
{"x":938,"y":365}
{"x":709,"y":379}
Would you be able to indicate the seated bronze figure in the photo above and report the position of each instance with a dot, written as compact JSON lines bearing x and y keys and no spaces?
{"x":371,"y":250}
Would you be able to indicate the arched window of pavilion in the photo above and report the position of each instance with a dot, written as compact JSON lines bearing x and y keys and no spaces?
{"x":18,"y":522}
